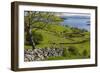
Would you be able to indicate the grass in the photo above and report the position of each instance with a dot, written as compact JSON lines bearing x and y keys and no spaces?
{"x":28,"y":47}
{"x":53,"y":37}
{"x":82,"y":52}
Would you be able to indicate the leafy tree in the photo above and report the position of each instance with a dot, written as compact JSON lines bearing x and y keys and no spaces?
{"x":37,"y":37}
{"x":33,"y":17}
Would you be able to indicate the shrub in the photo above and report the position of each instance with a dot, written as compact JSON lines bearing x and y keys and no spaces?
{"x":37,"y":37}
{"x":73,"y":50}
{"x":85,"y":53}
{"x":65,"y":52}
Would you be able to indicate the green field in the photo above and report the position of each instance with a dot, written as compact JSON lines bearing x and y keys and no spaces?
{"x":54,"y":35}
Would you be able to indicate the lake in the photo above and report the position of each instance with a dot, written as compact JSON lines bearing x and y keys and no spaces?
{"x":81,"y":22}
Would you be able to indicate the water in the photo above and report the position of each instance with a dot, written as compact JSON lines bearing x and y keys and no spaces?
{"x":77,"y":21}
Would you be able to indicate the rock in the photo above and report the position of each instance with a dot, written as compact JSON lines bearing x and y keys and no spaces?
{"x":41,"y":53}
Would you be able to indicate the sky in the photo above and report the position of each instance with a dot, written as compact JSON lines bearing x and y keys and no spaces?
{"x":72,"y":14}
{"x":69,"y":14}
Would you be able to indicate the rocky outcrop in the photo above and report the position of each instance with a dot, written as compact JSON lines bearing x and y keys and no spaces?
{"x":41,"y":53}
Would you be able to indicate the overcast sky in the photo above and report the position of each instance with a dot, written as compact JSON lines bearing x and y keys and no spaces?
{"x":72,"y":14}
{"x":67,"y":14}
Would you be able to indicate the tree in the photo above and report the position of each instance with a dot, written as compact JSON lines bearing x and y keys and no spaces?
{"x":37,"y":37}
{"x":33,"y":17}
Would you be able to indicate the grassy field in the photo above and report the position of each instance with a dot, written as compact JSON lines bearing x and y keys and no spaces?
{"x":63,"y":37}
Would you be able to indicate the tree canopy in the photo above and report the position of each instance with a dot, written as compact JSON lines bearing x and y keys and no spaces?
{"x":31,"y":18}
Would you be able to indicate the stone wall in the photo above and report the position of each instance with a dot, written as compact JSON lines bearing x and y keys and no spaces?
{"x":41,"y":54}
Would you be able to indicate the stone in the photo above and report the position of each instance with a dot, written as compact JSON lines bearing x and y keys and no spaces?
{"x":39,"y":54}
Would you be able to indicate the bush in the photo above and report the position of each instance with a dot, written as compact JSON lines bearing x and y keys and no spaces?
{"x":65,"y":52}
{"x":85,"y":53}
{"x":37,"y":37}
{"x":73,"y":50}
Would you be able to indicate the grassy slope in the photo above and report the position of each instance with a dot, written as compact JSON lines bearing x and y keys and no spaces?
{"x":52,"y":34}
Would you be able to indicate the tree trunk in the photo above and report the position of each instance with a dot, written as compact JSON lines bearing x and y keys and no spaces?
{"x":31,"y":39}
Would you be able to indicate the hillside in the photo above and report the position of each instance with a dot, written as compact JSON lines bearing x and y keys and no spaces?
{"x":58,"y":36}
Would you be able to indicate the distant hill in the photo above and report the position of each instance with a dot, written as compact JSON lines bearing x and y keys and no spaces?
{"x":77,"y":17}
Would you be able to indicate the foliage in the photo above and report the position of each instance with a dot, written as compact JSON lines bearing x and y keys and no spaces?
{"x":65,"y":53}
{"x":37,"y":37}
{"x":73,"y":50}
{"x":33,"y":17}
